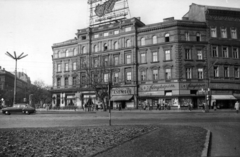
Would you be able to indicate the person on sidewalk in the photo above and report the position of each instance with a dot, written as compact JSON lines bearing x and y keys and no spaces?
{"x":237,"y":106}
{"x":214,"y":106}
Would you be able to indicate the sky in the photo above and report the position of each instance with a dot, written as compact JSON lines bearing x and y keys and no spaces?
{"x":33,"y":26}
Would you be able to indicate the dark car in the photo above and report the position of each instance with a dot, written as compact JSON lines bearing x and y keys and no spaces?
{"x":19,"y":108}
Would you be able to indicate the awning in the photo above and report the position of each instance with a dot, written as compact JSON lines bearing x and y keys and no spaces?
{"x":121,"y":97}
{"x":223,"y":97}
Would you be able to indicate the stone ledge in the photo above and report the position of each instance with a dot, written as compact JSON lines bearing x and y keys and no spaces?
{"x":206,"y":145}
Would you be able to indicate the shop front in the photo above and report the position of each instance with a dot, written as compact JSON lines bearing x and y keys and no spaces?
{"x":223,"y":99}
{"x":123,"y":98}
{"x":158,"y":96}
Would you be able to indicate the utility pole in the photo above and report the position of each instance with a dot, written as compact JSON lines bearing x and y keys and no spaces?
{"x":16,"y":58}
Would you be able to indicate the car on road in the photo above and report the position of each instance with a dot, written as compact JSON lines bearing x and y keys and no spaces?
{"x":19,"y":108}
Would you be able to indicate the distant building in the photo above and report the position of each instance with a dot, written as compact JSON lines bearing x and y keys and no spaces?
{"x":174,"y":62}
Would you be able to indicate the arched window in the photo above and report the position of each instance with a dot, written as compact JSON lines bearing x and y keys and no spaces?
{"x":105,"y":47}
{"x":63,"y":53}
{"x":115,"y":45}
{"x":84,"y":50}
{"x":167,"y":39}
{"x":95,"y":48}
{"x":128,"y":43}
{"x":67,"y":53}
{"x":154,"y":39}
{"x":75,"y":52}
{"x":56,"y":54}
{"x":143,"y":42}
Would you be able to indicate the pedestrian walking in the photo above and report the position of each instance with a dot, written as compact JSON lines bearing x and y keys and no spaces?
{"x":190,"y":106}
{"x":214,"y":106}
{"x":237,"y":106}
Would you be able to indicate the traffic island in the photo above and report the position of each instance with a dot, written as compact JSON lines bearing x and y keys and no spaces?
{"x":103,"y":141}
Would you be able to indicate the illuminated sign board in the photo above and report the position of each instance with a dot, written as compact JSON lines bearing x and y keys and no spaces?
{"x":106,"y":10}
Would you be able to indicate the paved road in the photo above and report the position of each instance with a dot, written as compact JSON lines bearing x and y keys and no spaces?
{"x":224,"y":126}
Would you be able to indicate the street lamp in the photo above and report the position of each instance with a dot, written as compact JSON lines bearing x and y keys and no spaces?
{"x":16,"y":58}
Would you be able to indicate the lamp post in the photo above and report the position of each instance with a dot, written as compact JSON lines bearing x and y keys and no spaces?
{"x":16,"y":58}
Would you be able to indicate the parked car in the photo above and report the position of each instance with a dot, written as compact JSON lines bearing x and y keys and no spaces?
{"x":19,"y":108}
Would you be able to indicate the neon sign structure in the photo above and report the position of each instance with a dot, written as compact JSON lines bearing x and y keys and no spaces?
{"x":103,"y":11}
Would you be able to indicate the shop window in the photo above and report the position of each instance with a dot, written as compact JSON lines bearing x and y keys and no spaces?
{"x":215,"y":51}
{"x":200,"y":73}
{"x":234,"y":33}
{"x":198,"y":37}
{"x":224,"y":32}
{"x":213,"y":32}
{"x":155,"y":57}
{"x":188,"y":54}
{"x":187,"y":36}
{"x":235,"y":53}
{"x":168,"y":93}
{"x":199,"y":55}
{"x":167,"y":38}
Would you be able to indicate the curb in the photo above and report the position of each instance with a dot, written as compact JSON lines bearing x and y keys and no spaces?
{"x":207,"y":144}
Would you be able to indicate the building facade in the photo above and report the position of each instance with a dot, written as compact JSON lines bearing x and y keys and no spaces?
{"x":169,"y":62}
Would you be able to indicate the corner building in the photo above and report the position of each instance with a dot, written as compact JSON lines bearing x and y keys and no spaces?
{"x":150,"y":64}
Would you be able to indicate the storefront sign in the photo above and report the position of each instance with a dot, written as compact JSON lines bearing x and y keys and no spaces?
{"x":122,"y":91}
{"x":193,"y":86}
{"x":224,"y":86}
{"x":157,"y":87}
{"x":221,"y":92}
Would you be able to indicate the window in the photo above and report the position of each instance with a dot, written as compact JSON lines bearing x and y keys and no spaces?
{"x":116,"y":60}
{"x":143,"y":75}
{"x":128,"y":43}
{"x":187,"y":37}
{"x":105,"y":34}
{"x":56,"y":54}
{"x":96,"y":35}
{"x":115,"y":45}
{"x":225,"y":52}
{"x":199,"y":55}
{"x":188,"y":54}
{"x":224,"y":32}
{"x":155,"y":74}
{"x":188,"y":73}
{"x":143,"y":58}
{"x":63,"y":53}
{"x":154,"y":56}
{"x":75,"y":52}
{"x":84,"y":37}
{"x":66,"y":67}
{"x":105,"y":78}
{"x":67,"y":53}
{"x":83,"y":78}
{"x":105,"y":61}
{"x":84,"y":50}
{"x":143,"y":42}
{"x":167,"y":55}
{"x":58,"y":82}
{"x":235,"y":53}
{"x":128,"y":59}
{"x":215,"y":51}
{"x":95,"y":62}
{"x":129,"y":76}
{"x":198,"y":37}
{"x":66,"y":81}
{"x":214,"y":32}
{"x":74,"y":65}
{"x":154,"y":39}
{"x":83,"y":62}
{"x":200,"y":73}
{"x":167,"y":38}
{"x":168,"y":74}
{"x":226,"y":72}
{"x":233,"y":33}
{"x":116,"y":32}
{"x":236,"y":72}
{"x":216,"y":71}
{"x":58,"y":67}
{"x":74,"y":81}
{"x":127,"y":29}
{"x":116,"y":77}
{"x":105,"y":47}
{"x":95,"y":48}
